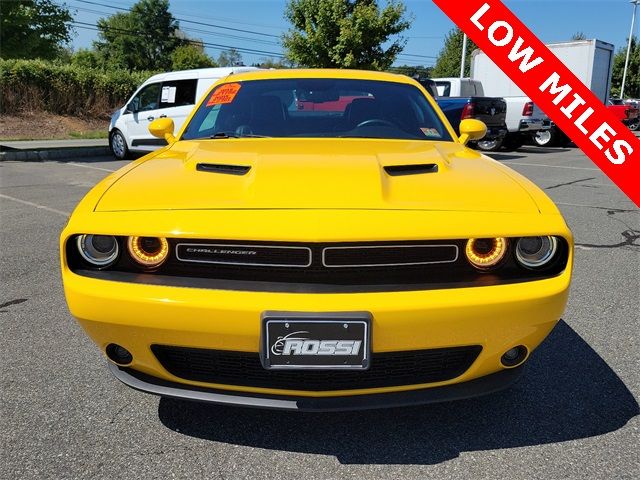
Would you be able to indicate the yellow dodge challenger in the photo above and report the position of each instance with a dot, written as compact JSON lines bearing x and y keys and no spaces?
{"x":316,"y":240}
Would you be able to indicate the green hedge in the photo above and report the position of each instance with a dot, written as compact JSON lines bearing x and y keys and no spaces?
{"x":36,"y":85}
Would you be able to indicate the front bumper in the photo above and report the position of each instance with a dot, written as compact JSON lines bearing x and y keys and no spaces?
{"x":473,"y":388}
{"x":138,"y":316}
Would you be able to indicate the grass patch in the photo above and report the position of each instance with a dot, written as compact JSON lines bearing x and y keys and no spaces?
{"x":90,"y":135}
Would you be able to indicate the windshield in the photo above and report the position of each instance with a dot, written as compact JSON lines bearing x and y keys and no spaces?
{"x":325,"y":108}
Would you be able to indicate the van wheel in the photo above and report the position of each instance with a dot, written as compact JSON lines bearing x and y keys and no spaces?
{"x":635,"y":125}
{"x":118,"y":145}
{"x":489,"y":145}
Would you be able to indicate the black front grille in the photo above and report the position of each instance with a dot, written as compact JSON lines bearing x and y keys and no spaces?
{"x":380,"y":263}
{"x":392,"y":255}
{"x":247,"y":255}
{"x":387,"y":369}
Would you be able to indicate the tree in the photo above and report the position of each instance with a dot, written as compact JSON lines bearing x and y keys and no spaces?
{"x":33,"y":28}
{"x":85,"y":58}
{"x":272,"y":63}
{"x":448,"y":62}
{"x":229,"y":58}
{"x":632,"y":84}
{"x":413,"y":71}
{"x":344,"y":33}
{"x":142,"y":39}
{"x":190,"y":56}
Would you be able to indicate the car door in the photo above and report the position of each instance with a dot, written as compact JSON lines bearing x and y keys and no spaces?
{"x":177,"y":98}
{"x":143,"y":108}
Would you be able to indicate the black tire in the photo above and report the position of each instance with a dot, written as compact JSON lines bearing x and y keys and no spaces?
{"x":513,"y":142}
{"x":118,"y":145}
{"x":635,"y":125}
{"x":492,"y":145}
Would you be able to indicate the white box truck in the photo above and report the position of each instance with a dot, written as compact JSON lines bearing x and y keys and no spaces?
{"x":590,"y":60}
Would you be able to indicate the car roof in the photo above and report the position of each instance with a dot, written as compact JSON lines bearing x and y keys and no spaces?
{"x":199,"y":73}
{"x":321,"y":73}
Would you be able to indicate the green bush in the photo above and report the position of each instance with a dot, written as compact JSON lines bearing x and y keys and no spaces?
{"x":64,"y":89}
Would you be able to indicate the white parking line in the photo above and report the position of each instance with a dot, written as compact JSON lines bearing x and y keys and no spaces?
{"x":551,"y":166}
{"x":31,"y":204}
{"x":87,"y":166}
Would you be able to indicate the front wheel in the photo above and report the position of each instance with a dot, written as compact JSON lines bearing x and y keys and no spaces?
{"x":489,"y":145}
{"x":635,"y":125}
{"x":118,"y":145}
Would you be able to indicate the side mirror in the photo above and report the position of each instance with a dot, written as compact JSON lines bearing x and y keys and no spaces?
{"x":471,"y":129}
{"x":162,"y":128}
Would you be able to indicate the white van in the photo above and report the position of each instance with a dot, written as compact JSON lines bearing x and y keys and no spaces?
{"x":171,"y":94}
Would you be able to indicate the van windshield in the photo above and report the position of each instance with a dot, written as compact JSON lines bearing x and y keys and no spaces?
{"x":317,"y":108}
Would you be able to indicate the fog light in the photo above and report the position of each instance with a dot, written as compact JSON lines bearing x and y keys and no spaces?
{"x":536,"y":252}
{"x":118,"y":354}
{"x":485,"y":253}
{"x":150,"y":252}
{"x":98,"y":250}
{"x":514,"y":356}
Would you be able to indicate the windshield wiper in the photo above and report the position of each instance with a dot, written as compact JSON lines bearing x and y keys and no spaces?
{"x":233,"y":135}
{"x":223,"y":135}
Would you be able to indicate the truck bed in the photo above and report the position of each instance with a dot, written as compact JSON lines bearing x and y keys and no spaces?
{"x":492,"y":111}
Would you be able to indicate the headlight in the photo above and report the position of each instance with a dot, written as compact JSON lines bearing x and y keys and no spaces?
{"x":485,"y":253}
{"x":536,"y":252}
{"x":150,"y":252}
{"x":98,"y":250}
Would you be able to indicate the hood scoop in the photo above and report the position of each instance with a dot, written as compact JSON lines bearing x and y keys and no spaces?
{"x":417,"y":169}
{"x":224,"y":169}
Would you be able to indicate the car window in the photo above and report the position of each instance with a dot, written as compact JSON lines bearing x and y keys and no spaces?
{"x":147,"y":98}
{"x":444,"y":89}
{"x":178,"y":93}
{"x":322,"y":107}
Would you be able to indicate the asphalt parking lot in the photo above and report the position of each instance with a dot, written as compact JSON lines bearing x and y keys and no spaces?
{"x":573,"y":415}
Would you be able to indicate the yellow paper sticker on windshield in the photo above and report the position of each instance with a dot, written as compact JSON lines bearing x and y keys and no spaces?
{"x":224,"y":94}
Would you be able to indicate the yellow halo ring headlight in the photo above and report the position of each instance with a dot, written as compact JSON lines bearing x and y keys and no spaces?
{"x":150,"y":252}
{"x":486,"y":253}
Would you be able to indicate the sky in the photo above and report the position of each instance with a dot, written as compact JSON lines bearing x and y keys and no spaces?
{"x":255,"y":25}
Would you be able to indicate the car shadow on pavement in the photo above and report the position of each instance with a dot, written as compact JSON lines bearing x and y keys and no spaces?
{"x":567,"y":392}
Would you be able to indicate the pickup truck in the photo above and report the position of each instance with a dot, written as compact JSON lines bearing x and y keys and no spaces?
{"x":626,"y":112}
{"x":469,"y":103}
{"x":523,"y":119}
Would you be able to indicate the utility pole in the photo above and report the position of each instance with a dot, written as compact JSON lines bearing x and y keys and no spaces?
{"x":626,"y":63}
{"x":464,"y":53}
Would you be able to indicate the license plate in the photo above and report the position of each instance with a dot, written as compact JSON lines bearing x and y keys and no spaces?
{"x":331,"y":341}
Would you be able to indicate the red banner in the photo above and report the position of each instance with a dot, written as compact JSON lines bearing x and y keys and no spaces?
{"x":552,"y":86}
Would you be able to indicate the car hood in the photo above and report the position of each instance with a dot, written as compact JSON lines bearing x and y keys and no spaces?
{"x":317,"y":174}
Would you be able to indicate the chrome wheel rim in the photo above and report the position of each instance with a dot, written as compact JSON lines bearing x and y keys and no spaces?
{"x":117,"y":145}
{"x":488,"y":144}
{"x":543,"y":137}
